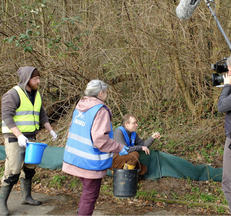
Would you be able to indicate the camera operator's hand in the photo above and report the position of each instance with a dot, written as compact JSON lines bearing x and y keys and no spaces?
{"x":227,"y":79}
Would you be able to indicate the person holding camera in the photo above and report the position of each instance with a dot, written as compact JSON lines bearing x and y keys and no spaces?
{"x":224,"y":105}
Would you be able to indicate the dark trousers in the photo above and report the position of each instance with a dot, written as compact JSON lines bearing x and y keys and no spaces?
{"x":226,"y":178}
{"x":90,"y":193}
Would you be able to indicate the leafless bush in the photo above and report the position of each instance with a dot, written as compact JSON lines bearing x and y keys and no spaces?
{"x":156,"y":64}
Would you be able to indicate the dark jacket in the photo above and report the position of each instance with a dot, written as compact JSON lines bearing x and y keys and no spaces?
{"x":224,"y":105}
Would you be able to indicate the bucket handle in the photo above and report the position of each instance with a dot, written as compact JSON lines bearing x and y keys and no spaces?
{"x":138,"y":162}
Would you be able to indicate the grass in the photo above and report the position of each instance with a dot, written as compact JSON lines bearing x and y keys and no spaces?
{"x":199,"y":141}
{"x":2,"y":168}
{"x":220,"y":210}
{"x":194,"y":195}
{"x":107,"y":190}
{"x":57,"y":181}
{"x":74,"y":183}
{"x":146,"y":195}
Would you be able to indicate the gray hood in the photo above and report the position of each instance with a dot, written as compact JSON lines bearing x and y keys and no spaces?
{"x":24,"y":74}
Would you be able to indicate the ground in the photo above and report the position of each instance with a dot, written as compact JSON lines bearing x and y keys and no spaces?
{"x":164,"y":195}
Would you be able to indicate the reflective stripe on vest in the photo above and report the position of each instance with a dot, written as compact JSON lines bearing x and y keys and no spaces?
{"x":27,"y":114}
{"x":79,"y":150}
{"x":126,"y":137}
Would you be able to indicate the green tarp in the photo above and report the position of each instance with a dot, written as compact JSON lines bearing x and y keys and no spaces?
{"x":159,"y":165}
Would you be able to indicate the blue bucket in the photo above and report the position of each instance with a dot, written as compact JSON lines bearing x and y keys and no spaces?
{"x":34,"y":152}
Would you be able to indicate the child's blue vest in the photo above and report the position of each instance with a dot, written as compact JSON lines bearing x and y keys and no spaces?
{"x":126,"y":137}
{"x":80,"y":150}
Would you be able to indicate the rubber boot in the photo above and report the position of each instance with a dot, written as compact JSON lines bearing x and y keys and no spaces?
{"x":4,"y":194}
{"x":26,"y":192}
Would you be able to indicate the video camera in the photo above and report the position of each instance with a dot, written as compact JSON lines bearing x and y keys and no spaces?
{"x":219,"y":67}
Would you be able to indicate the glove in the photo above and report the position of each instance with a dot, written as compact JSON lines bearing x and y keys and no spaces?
{"x":54,"y":135}
{"x":22,"y":140}
{"x":124,"y":151}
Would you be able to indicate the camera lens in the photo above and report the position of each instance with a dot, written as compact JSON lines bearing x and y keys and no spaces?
{"x":217,"y":79}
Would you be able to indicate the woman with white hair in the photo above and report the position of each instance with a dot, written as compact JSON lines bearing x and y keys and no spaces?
{"x":90,"y":145}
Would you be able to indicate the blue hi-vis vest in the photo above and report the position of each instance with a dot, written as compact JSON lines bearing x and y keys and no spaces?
{"x":80,"y":150}
{"x":126,"y":137}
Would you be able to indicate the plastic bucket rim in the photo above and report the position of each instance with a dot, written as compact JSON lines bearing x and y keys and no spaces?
{"x":37,"y":143}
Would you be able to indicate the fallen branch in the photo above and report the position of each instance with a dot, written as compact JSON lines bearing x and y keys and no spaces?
{"x":182,"y":202}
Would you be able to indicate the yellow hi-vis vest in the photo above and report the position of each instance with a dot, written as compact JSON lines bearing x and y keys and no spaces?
{"x":27,"y":115}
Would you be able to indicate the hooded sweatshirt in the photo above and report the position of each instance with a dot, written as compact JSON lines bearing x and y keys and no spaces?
{"x":11,"y":102}
{"x":99,"y":133}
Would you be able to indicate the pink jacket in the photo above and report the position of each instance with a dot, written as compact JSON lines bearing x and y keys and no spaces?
{"x":99,"y":133}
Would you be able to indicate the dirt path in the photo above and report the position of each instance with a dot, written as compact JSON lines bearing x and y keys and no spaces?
{"x":60,"y":195}
{"x":67,"y":205}
{"x":55,"y":205}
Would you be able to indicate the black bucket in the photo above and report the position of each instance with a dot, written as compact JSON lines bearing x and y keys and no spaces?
{"x":125,"y":182}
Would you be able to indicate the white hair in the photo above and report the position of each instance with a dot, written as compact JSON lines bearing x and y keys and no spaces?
{"x":228,"y":61}
{"x":94,"y":87}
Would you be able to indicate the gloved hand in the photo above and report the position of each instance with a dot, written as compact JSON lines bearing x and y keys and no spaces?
{"x":54,"y":135}
{"x":124,"y":151}
{"x":22,"y":140}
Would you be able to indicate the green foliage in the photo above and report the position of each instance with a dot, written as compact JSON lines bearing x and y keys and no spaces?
{"x":74,"y":183}
{"x":190,"y":194}
{"x":106,"y":189}
{"x":2,"y":168}
{"x":23,"y":40}
{"x":57,"y":181}
{"x":174,"y":195}
{"x":220,"y":210}
{"x":147,"y":195}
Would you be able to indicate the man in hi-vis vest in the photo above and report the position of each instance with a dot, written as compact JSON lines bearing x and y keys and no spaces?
{"x":22,"y":112}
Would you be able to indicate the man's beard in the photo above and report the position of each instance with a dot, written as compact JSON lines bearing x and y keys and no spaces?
{"x":34,"y":87}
